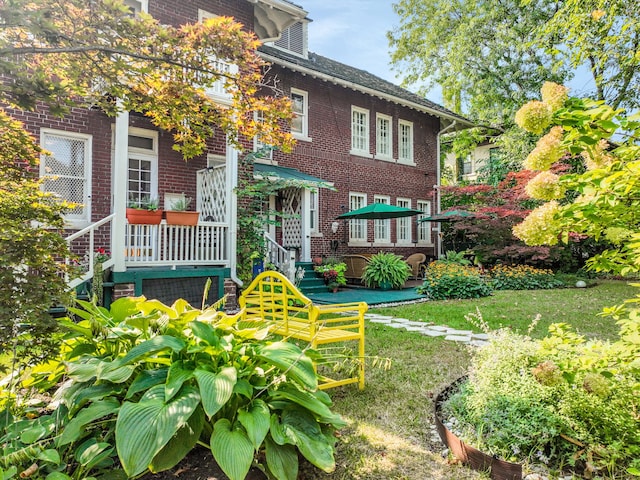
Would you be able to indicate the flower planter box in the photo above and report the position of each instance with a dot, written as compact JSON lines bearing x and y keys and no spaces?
{"x":182,"y":218}
{"x":468,"y":455}
{"x":144,"y":217}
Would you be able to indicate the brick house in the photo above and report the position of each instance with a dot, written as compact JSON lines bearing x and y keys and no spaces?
{"x":367,"y":138}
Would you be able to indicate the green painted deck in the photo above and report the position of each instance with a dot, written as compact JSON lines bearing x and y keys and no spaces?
{"x":371,"y":297}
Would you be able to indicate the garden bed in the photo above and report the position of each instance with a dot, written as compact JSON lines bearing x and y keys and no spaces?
{"x":468,"y":455}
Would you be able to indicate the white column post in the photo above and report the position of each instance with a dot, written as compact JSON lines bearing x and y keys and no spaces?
{"x":305,"y":230}
{"x":120,"y":174}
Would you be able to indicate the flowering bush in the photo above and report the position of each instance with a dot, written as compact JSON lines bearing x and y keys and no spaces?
{"x":545,"y":186}
{"x":450,"y":280}
{"x":337,"y":274}
{"x":563,"y":401}
{"x":522,"y":277}
{"x":102,"y":255}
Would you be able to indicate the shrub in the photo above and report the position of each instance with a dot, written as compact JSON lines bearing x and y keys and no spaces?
{"x":450,"y":280}
{"x":145,"y":382}
{"x":332,"y":272}
{"x":522,"y":277}
{"x":562,"y":400}
{"x":386,"y":268}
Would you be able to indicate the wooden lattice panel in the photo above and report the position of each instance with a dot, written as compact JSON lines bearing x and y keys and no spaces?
{"x":212,"y":194}
{"x":291,"y":217}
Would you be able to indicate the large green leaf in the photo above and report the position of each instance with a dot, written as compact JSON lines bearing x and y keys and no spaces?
{"x":232,"y":449}
{"x":176,"y":378}
{"x":125,"y":307}
{"x":301,"y":427}
{"x":180,"y":444}
{"x":147,"y":379}
{"x":256,"y":422}
{"x":282,"y":460}
{"x":215,"y":388}
{"x":310,"y":401}
{"x":205,"y":332}
{"x":292,"y":361}
{"x":153,"y":345}
{"x":92,"y":452}
{"x":91,"y":393}
{"x":74,"y":429}
{"x":144,"y":428}
{"x":277,"y":432}
{"x":86,"y":369}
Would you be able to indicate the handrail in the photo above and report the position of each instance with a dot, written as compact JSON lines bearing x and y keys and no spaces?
{"x":280,"y":257}
{"x":91,"y":229}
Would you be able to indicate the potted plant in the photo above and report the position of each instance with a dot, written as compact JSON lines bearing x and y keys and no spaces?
{"x":338,"y":270}
{"x":178,"y":214}
{"x":144,"y":210}
{"x":386,"y":270}
{"x":331,"y":279}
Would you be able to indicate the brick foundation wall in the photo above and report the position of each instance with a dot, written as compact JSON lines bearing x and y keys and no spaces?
{"x":123,"y":290}
{"x":231,"y":291}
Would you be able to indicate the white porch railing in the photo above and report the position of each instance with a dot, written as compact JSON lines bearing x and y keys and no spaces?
{"x":174,"y":245}
{"x":283,"y":259}
{"x":86,"y":237}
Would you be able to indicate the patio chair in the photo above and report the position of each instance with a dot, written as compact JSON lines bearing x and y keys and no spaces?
{"x":415,"y":261}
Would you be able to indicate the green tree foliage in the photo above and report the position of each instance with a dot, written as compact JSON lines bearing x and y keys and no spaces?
{"x":604,"y":35}
{"x":70,"y":52}
{"x":490,"y":57}
{"x":477,"y":52}
{"x":31,"y":274}
{"x":602,"y":202}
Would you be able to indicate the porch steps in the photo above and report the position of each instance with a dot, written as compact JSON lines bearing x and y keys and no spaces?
{"x":311,"y":283}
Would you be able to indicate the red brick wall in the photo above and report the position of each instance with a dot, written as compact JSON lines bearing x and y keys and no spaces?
{"x":177,"y":13}
{"x":327,"y":156}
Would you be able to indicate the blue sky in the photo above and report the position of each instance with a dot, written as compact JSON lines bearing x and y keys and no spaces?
{"x":354,"y":32}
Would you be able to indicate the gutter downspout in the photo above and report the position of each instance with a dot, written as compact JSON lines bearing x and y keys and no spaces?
{"x":436,"y":187}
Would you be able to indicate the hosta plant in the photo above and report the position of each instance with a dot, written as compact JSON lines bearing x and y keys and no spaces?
{"x":386,"y":268}
{"x":137,"y":387}
{"x":451,"y":280}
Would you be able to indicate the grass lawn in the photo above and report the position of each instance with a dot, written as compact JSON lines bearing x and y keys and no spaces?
{"x":390,"y":434}
{"x":516,"y":309}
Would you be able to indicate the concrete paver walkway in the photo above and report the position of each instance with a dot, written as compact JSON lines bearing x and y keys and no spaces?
{"x":430,"y":330}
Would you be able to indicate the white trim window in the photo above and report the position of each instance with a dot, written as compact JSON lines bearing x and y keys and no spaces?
{"x":405,"y":141}
{"x":219,"y":91}
{"x":142,"y":181}
{"x":381,"y":228}
{"x":357,"y":227}
{"x":403,"y":224}
{"x":424,"y":228}
{"x":300,"y":120}
{"x":66,"y":172}
{"x":359,"y":131}
{"x":313,"y":211}
{"x":384,"y":137}
{"x":267,"y":152}
{"x":137,"y":6}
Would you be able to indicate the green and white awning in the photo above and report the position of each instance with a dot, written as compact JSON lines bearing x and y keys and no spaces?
{"x":289,"y":176}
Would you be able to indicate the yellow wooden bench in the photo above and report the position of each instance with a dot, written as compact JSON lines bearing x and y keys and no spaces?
{"x":271,"y":297}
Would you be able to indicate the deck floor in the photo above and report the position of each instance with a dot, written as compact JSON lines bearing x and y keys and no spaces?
{"x":370,"y":296}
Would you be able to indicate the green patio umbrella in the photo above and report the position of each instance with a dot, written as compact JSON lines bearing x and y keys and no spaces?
{"x":450,"y":216}
{"x":379,"y":211}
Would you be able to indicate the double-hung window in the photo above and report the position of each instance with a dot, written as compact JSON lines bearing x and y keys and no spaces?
{"x":359,"y":131}
{"x":137,"y":6}
{"x":143,"y":165}
{"x":357,"y":227}
{"x":424,"y":228}
{"x":66,"y":171}
{"x":384,"y":137}
{"x":381,"y":228}
{"x":403,"y":224}
{"x":266,"y":150}
{"x":300,"y":121}
{"x":405,"y":142}
{"x":219,"y":90}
